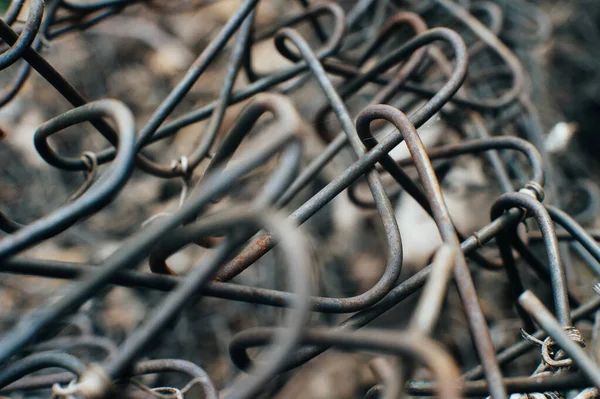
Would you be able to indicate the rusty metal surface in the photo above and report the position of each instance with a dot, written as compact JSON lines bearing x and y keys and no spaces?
{"x":381,"y":74}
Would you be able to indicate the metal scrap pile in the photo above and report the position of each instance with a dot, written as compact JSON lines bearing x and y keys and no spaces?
{"x":244,"y":198}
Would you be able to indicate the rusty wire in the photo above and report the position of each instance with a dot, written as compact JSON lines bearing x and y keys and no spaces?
{"x":431,"y":72}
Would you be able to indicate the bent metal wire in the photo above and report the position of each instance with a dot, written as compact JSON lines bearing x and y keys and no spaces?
{"x":416,"y":80}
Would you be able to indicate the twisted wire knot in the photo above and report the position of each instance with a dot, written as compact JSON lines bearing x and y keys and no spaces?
{"x":554,"y":356}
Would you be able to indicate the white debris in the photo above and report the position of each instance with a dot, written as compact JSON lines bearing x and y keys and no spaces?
{"x":467,"y":196}
{"x":559,"y":137}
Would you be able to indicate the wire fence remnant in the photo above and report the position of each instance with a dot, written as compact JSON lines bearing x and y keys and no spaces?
{"x":352,"y":140}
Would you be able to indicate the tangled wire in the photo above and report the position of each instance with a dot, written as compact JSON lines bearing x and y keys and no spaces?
{"x":388,"y":71}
